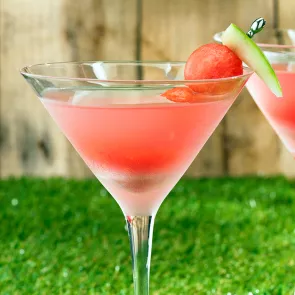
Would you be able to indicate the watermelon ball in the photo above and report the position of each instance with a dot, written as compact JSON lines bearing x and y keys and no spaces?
{"x":183,"y":94}
{"x":213,"y":61}
{"x":180,"y":94}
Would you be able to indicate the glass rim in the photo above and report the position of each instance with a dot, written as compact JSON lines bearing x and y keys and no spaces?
{"x":217,"y":38}
{"x":25,"y":71}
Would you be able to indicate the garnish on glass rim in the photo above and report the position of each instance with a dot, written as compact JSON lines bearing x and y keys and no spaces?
{"x":214,"y":61}
{"x":248,"y":51}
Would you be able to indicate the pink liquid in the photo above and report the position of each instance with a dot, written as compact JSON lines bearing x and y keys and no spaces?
{"x":280,"y":112}
{"x":137,"y":151}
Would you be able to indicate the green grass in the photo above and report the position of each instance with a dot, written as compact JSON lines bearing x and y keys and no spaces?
{"x":212,"y":236}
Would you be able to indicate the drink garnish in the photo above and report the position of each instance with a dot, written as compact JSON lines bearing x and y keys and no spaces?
{"x":215,"y":61}
{"x":181,"y":94}
{"x":248,"y":51}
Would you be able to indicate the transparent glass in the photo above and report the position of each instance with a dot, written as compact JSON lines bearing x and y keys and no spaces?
{"x":137,"y":142}
{"x":278,"y":46}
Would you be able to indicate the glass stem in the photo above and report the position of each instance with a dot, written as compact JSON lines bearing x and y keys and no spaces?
{"x":140,"y":230}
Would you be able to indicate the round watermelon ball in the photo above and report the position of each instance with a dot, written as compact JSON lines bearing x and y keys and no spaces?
{"x":213,"y":61}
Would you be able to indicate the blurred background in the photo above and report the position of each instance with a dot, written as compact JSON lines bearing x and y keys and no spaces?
{"x":34,"y":31}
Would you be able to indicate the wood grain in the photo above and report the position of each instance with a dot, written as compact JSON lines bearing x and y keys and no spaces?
{"x":285,"y":14}
{"x":96,"y":30}
{"x":30,"y":143}
{"x":47,"y":31}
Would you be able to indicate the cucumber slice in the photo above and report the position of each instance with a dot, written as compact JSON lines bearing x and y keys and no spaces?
{"x":247,"y":50}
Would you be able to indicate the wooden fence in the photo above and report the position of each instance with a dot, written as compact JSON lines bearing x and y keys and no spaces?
{"x":37,"y":31}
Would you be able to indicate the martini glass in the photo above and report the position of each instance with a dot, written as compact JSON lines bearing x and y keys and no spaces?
{"x":136,"y":142}
{"x":279,"y":47}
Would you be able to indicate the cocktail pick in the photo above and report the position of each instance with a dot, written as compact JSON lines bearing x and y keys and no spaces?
{"x":256,"y":27}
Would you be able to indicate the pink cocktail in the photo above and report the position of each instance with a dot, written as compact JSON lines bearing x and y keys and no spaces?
{"x":279,"y":112}
{"x":279,"y":47}
{"x":137,"y":151}
{"x":137,"y":142}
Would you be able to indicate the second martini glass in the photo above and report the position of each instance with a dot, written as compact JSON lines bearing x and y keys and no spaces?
{"x":279,"y":47}
{"x":136,"y":142}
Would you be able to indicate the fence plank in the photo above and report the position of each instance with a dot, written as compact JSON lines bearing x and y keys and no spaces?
{"x":44,"y":31}
{"x":30,"y":143}
{"x":285,"y":13}
{"x":100,"y":30}
{"x":96,"y":30}
{"x":171,"y":31}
